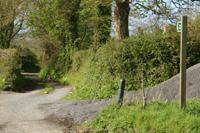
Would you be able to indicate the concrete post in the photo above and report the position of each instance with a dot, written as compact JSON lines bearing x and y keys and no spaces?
{"x":121,"y":91}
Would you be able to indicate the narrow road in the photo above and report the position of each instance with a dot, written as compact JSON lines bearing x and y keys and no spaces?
{"x":32,"y":112}
{"x":20,"y":112}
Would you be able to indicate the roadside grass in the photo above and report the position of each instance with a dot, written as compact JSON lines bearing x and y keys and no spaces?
{"x":74,"y":78}
{"x":85,"y":85}
{"x":78,"y":79}
{"x":2,"y":83}
{"x":47,"y":89}
{"x":156,"y":117}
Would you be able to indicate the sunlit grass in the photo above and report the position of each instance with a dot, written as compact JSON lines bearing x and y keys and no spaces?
{"x":157,"y":117}
{"x":47,"y":89}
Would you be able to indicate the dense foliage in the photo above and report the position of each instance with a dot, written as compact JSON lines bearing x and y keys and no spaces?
{"x":9,"y":68}
{"x":28,"y":60}
{"x":144,"y":60}
{"x":51,"y":23}
{"x":68,"y":26}
{"x":77,"y":47}
{"x":157,"y":117}
{"x":80,"y":48}
{"x":12,"y":63}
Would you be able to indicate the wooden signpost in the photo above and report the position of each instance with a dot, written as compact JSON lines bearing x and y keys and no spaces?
{"x":182,"y":99}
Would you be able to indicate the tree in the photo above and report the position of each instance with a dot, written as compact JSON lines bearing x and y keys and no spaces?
{"x":56,"y":18}
{"x":12,"y":17}
{"x":121,"y":12}
{"x":142,"y":8}
{"x":56,"y":22}
{"x":102,"y":27}
{"x":70,"y":10}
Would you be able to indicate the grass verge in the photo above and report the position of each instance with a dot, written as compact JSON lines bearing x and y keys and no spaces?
{"x":47,"y":89}
{"x":157,"y":117}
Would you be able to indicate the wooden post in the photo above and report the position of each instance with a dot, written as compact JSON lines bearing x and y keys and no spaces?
{"x":183,"y":62}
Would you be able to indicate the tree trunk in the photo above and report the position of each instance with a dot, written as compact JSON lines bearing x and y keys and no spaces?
{"x":121,"y":12}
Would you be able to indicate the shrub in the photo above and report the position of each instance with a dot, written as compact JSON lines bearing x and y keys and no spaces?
{"x":88,"y":81}
{"x":9,"y":67}
{"x":3,"y":82}
{"x":145,"y":55}
{"x":146,"y":59}
{"x":78,"y":59}
{"x":44,"y":72}
{"x":56,"y":59}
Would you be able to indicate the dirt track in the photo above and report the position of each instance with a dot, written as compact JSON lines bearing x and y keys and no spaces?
{"x":19,"y":112}
{"x":31,"y":112}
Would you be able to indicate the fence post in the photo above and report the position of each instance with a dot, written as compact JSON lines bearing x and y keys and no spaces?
{"x":121,"y":91}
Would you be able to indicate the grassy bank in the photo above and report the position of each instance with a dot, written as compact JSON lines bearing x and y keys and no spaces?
{"x":157,"y":117}
{"x":47,"y":89}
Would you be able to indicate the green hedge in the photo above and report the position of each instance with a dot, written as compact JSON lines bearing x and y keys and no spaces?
{"x":9,"y":68}
{"x":146,"y":55}
{"x":148,"y":58}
